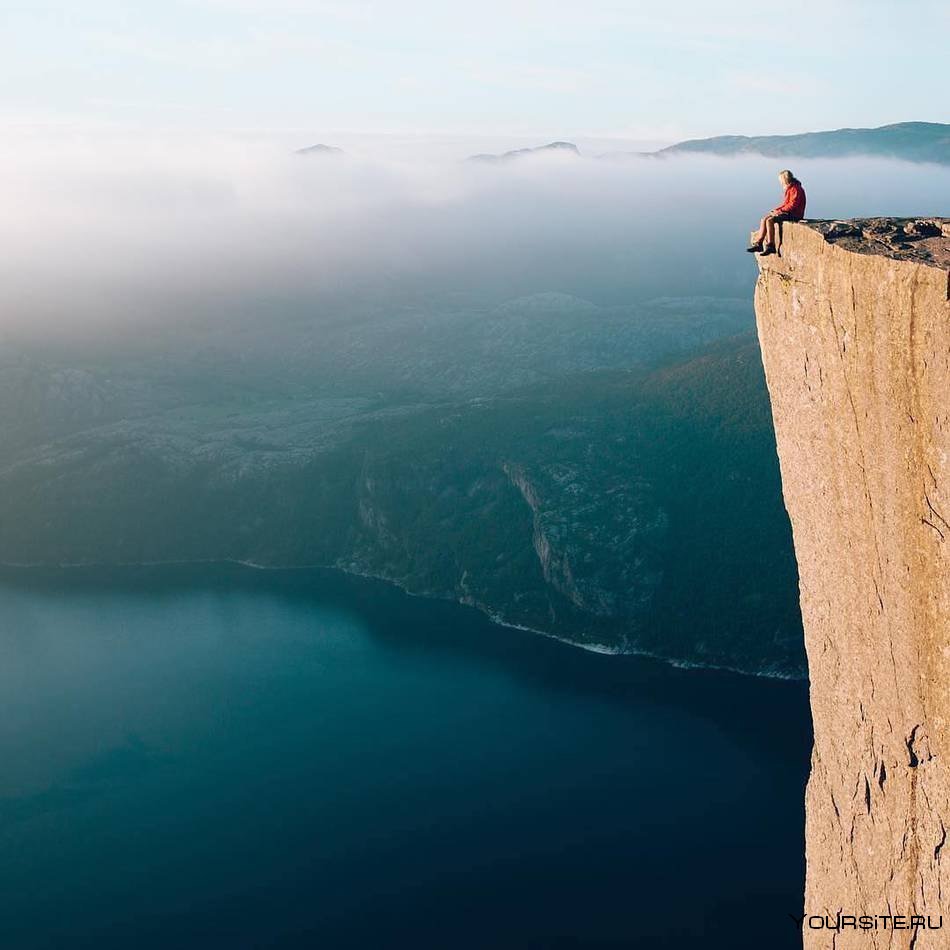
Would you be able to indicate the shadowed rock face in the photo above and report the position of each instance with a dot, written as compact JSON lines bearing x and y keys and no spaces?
{"x":854,"y":324}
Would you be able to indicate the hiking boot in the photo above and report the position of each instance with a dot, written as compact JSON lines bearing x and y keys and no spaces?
{"x":766,"y":250}
{"x":754,"y":248}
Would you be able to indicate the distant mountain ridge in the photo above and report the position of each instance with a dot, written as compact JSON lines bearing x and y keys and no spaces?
{"x":564,"y":148}
{"x":910,"y":141}
{"x":320,"y":149}
{"x":907,"y":141}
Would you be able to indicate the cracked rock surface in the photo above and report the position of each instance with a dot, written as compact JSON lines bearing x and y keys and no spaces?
{"x":854,"y":323}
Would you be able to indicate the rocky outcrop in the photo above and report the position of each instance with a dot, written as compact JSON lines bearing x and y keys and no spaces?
{"x":854,"y":323}
{"x":571,"y":541}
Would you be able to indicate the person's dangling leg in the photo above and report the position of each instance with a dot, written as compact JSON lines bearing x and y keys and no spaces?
{"x":768,"y":246}
{"x":758,"y":237}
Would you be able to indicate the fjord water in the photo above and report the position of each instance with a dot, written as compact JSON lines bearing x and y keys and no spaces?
{"x":221,"y":757}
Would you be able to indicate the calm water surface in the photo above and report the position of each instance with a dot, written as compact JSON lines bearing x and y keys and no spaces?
{"x":220,"y":757}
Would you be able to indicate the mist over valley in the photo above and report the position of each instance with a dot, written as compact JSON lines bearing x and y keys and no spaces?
{"x":532,"y":387}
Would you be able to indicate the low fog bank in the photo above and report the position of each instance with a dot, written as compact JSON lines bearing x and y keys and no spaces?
{"x":110,"y":233}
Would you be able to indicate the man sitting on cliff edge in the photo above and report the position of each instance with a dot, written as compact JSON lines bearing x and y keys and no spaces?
{"x":792,"y":208}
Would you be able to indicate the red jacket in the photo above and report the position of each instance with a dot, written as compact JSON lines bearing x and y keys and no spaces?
{"x":793,"y":203}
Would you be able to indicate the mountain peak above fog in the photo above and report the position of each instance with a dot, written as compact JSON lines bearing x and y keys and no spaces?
{"x":320,"y":149}
{"x":910,"y":141}
{"x":563,"y":148}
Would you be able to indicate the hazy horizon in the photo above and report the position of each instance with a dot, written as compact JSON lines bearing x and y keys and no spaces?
{"x":113,"y":230}
{"x":514,"y":69}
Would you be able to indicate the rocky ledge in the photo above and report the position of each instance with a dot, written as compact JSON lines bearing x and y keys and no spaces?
{"x":854,"y":324}
{"x":923,"y":240}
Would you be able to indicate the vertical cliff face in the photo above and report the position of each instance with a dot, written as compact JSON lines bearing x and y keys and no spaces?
{"x":854,"y":323}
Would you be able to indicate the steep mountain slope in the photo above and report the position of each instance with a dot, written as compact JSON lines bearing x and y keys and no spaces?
{"x":628,"y":510}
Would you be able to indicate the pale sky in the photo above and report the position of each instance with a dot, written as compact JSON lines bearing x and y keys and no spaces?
{"x":661,"y":70}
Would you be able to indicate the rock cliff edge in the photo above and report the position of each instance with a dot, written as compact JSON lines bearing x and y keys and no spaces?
{"x":854,"y":323}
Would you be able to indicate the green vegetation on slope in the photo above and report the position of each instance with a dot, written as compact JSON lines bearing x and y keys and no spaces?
{"x":631,"y":509}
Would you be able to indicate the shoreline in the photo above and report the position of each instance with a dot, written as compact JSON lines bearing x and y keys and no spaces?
{"x":492,"y":615}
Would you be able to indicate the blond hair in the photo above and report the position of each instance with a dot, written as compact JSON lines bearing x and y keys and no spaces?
{"x":786,"y":176}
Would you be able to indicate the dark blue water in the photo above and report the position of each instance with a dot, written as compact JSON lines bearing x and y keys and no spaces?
{"x":219,"y":757}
